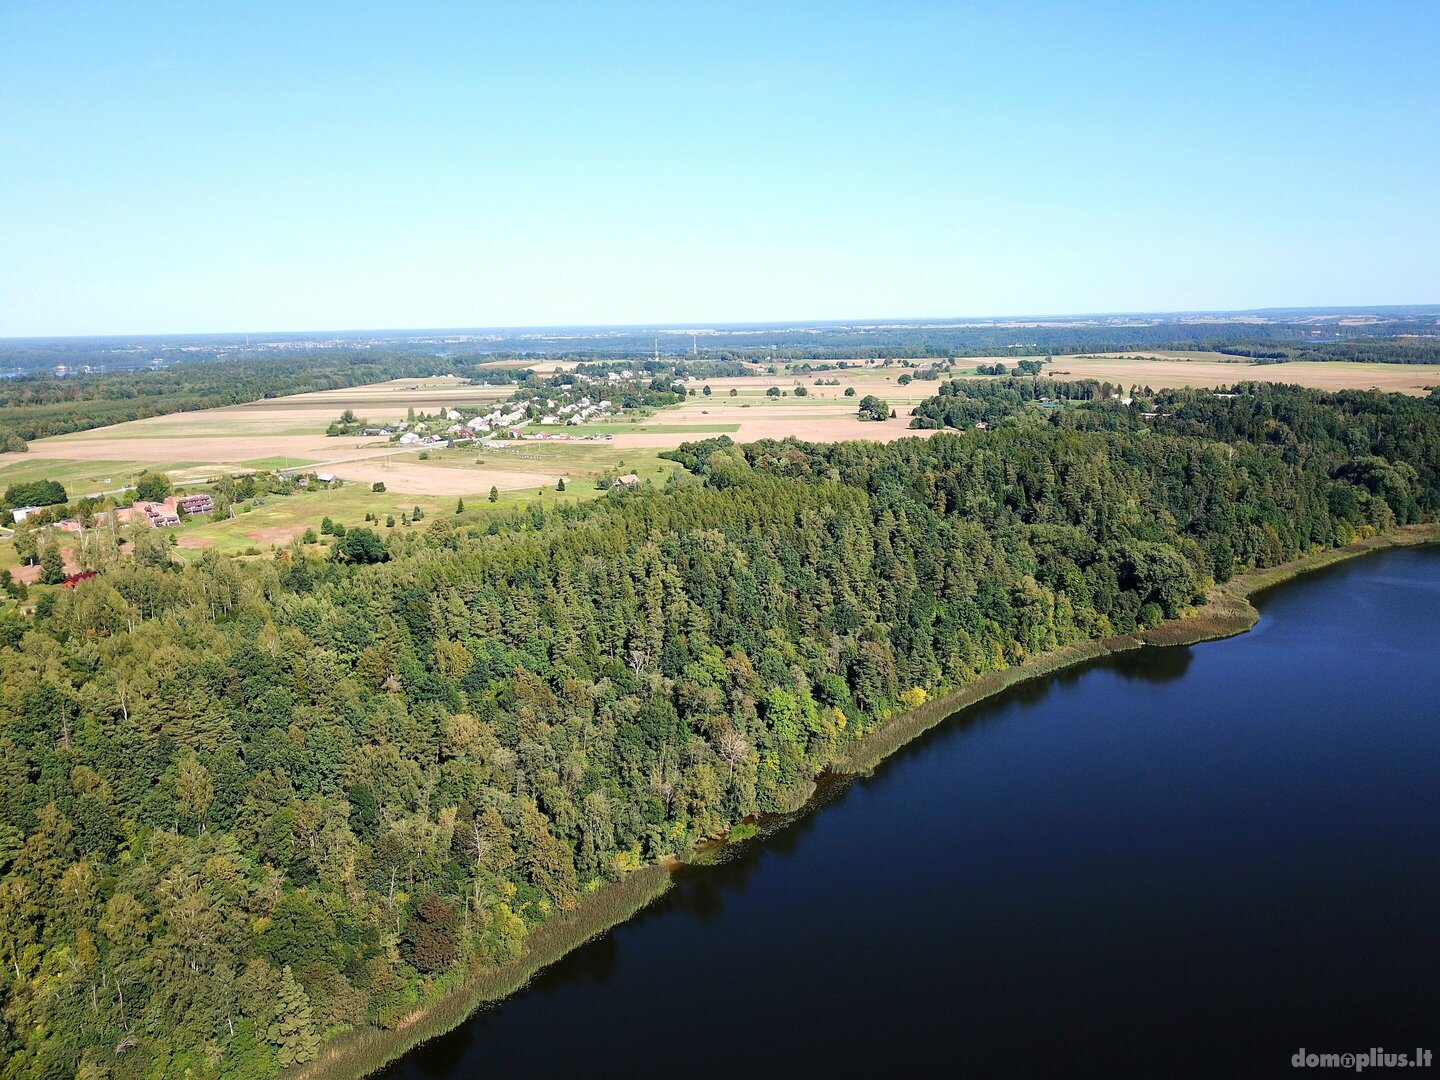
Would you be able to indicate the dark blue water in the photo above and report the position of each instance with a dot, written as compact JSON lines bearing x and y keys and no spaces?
{"x":1172,"y":862}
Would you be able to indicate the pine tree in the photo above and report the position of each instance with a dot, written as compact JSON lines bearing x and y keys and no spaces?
{"x":459,"y":506}
{"x":293,"y":1029}
{"x":494,"y":493}
{"x":561,"y":485}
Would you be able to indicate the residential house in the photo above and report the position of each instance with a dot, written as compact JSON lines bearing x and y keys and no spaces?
{"x":192,"y":504}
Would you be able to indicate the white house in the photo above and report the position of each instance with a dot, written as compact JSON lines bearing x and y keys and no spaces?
{"x":409,"y":439}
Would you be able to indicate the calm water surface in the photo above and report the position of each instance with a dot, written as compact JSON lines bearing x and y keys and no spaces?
{"x":1185,"y":861}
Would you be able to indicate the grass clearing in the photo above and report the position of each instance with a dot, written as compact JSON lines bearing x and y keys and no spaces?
{"x":283,"y":517}
{"x":278,"y":462}
{"x":78,"y":477}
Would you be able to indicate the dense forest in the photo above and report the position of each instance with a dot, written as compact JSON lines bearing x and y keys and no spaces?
{"x":1412,"y":349}
{"x":1387,"y":444}
{"x":246,"y":804}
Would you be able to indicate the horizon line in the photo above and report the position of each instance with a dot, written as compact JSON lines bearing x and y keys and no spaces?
{"x":699,"y":326}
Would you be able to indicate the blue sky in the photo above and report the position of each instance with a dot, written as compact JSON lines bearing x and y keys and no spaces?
{"x":196,"y":167}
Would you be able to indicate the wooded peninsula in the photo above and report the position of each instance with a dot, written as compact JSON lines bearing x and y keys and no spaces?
{"x":254,"y":810}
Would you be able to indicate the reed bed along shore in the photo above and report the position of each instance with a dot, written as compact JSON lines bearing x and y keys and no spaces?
{"x":362,"y":1051}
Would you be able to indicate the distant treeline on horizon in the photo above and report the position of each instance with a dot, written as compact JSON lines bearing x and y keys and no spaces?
{"x":1385,"y":334}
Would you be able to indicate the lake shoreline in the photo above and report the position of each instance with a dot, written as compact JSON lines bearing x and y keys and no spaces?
{"x":364,"y":1051}
{"x":1227,"y":612}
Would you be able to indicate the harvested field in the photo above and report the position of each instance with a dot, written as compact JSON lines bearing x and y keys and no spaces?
{"x":1179,"y":369}
{"x":420,"y":476}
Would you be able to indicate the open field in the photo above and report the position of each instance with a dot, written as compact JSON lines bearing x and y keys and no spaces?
{"x":1208,"y":369}
{"x":282,"y":518}
{"x":81,"y":476}
{"x":289,"y":433}
{"x":274,"y":433}
{"x":301,"y":415}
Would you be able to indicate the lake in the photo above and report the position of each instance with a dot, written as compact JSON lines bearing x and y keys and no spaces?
{"x":1183,"y":861}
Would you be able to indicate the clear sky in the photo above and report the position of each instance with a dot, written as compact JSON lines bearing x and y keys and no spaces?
{"x":186,"y":167}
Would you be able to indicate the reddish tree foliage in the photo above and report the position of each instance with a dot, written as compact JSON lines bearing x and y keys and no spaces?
{"x":431,"y":939}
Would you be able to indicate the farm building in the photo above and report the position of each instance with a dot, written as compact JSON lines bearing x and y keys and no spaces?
{"x":192,"y":504}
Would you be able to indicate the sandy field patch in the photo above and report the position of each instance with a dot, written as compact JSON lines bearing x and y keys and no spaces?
{"x":421,"y":478}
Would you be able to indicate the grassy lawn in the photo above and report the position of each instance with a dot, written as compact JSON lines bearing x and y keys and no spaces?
{"x":281,"y":515}
{"x":278,"y":463}
{"x":577,"y":460}
{"x":79,"y":477}
{"x":199,"y":425}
